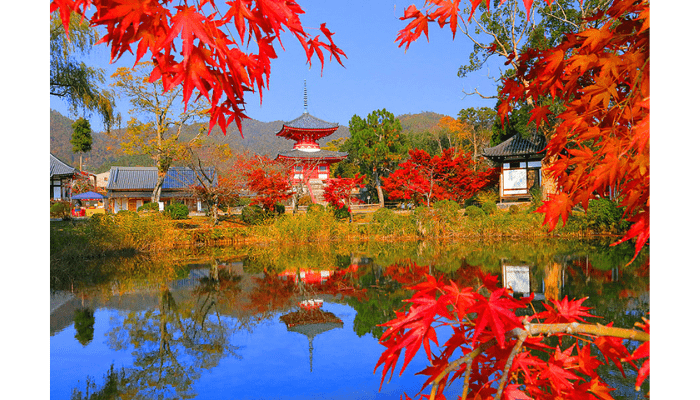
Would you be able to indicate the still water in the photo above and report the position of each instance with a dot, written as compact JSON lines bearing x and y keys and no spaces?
{"x":228,"y":323}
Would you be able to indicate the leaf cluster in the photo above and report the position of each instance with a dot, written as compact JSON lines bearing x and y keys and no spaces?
{"x":601,"y":146}
{"x":500,"y":351}
{"x":192,"y":45}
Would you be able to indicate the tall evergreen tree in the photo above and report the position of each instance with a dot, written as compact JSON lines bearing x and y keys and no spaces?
{"x":377,"y":144}
{"x":81,"y":139}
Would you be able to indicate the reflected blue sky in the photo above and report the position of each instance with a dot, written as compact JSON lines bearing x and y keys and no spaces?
{"x":274,"y":363}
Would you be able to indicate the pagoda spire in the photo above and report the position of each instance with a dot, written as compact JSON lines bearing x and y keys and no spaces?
{"x":306,"y":100}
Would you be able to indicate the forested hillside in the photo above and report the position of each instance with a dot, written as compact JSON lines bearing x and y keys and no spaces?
{"x":259,"y":137}
{"x":417,"y":123}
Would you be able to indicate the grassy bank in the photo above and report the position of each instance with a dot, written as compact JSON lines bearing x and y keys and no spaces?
{"x":148,"y":232}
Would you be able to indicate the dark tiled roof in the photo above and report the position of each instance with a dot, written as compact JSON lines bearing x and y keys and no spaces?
{"x":139,"y":178}
{"x":517,"y":146}
{"x":296,"y":153}
{"x":58,"y":167}
{"x":308,"y":121}
{"x":148,"y":194}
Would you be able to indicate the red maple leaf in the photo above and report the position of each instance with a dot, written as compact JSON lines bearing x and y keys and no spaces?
{"x":565,"y":311}
{"x":497,"y":314}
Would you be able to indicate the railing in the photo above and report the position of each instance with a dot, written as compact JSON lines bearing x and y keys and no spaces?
{"x":311,"y":191}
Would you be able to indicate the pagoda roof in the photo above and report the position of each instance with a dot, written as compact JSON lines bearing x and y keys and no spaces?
{"x":307,"y":122}
{"x":518,"y":146}
{"x":313,"y":155}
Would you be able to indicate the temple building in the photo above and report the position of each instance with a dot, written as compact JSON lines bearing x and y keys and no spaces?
{"x":520,"y":162}
{"x":310,"y":165}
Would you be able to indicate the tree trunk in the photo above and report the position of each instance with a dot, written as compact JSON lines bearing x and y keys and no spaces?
{"x":155,"y":197}
{"x":380,"y":192}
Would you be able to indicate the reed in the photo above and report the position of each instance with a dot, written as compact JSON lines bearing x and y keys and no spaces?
{"x":150,"y":232}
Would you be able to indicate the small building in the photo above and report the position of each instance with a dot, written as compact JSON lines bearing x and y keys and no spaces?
{"x":520,"y":163}
{"x":101,"y":180}
{"x":129,"y":188}
{"x":62,"y":175}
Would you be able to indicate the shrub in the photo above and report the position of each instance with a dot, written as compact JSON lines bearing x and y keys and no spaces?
{"x":489,"y":207}
{"x":127,"y":213}
{"x":242,"y":202}
{"x":60,"y":209}
{"x":341,"y":213}
{"x":280,"y":209}
{"x":474,"y":212}
{"x":603,"y":215}
{"x":314,"y":208}
{"x":382,"y":215}
{"x":514,"y":209}
{"x":446,"y":208}
{"x":253,"y":215}
{"x":385,"y":222}
{"x":177,"y":211}
{"x":486,"y":196}
{"x":304,"y":200}
{"x":149,"y":207}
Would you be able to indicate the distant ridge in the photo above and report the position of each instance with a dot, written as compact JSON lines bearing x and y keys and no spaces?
{"x":259,"y":137}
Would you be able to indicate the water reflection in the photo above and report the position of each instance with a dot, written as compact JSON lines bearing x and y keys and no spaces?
{"x":184,"y":325}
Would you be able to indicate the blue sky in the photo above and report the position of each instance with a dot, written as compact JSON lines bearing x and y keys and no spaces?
{"x":377,"y":73}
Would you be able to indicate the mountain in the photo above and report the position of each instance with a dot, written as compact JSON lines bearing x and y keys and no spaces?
{"x":259,"y":137}
{"x":416,"y":123}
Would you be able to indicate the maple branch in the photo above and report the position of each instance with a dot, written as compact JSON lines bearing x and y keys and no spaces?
{"x":563,"y":19}
{"x":588,"y":329}
{"x":532,"y":330}
{"x":467,"y":358}
{"x":476,"y":91}
{"x":522,"y":336}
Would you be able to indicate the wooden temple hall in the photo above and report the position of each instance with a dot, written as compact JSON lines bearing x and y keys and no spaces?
{"x":520,"y":162}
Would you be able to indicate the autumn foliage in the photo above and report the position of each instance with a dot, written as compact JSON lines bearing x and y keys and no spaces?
{"x":267,"y":181}
{"x":191,"y":43}
{"x":424,"y":179}
{"x":601,"y":146}
{"x":502,"y":352}
{"x":337,"y":191}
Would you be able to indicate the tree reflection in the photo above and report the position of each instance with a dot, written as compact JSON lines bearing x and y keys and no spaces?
{"x":84,"y":322}
{"x":173,"y":343}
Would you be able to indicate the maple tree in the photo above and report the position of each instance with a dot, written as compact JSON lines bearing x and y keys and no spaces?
{"x":451,"y":175}
{"x":217,"y":183}
{"x":600,"y":147}
{"x":337,"y":191}
{"x":600,"y":73}
{"x":267,"y":180}
{"x":500,"y":351}
{"x":191,"y":44}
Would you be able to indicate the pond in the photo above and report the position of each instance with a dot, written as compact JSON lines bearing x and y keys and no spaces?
{"x":219,"y":323}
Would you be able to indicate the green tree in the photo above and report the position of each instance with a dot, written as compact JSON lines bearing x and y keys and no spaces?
{"x":73,"y":80}
{"x":504,"y":30}
{"x":162,"y":118}
{"x":376,"y":145}
{"x":479,"y":124}
{"x":81,"y":139}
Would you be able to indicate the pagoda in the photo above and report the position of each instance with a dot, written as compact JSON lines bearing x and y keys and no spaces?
{"x":311,"y":164}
